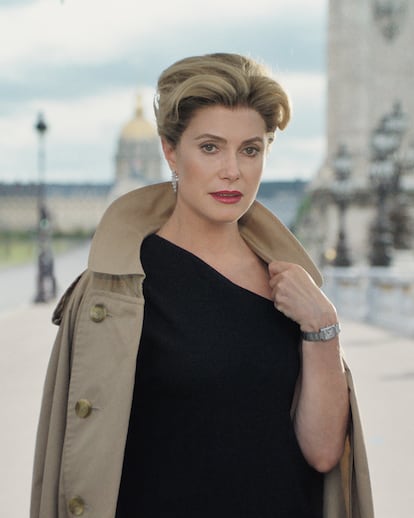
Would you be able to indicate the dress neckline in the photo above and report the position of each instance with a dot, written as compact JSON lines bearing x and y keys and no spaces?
{"x":209,"y":267}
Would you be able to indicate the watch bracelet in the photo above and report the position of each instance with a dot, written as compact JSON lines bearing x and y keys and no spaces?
{"x":323,"y":335}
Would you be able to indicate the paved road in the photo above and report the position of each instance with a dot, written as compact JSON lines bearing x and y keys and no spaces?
{"x":382,"y":363}
{"x":18,"y":284}
{"x":383,"y":367}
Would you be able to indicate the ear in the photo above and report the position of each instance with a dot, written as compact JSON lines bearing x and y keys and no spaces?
{"x":169,"y":153}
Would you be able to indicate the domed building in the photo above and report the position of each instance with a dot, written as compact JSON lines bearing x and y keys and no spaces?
{"x":76,"y":208}
{"x":138,"y":158}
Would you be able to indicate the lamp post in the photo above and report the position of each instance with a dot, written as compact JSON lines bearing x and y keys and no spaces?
{"x":390,"y":14}
{"x":342,"y":163}
{"x":401,"y":222}
{"x":385,"y":176}
{"x":45,"y":282}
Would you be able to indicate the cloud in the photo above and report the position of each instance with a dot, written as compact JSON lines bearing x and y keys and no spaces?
{"x":285,"y":50}
{"x":295,"y":158}
{"x":83,"y":62}
{"x":14,"y":3}
{"x":82,"y":136}
{"x":96,"y":31}
{"x":83,"y":133}
{"x":307,"y":93}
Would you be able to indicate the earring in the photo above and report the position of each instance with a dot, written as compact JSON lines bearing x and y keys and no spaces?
{"x":174,"y":181}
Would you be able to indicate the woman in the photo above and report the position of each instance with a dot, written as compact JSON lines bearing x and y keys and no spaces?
{"x":237,"y":403}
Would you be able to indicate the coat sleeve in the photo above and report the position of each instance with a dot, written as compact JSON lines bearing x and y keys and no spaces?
{"x":347,"y":491}
{"x":51,"y":427}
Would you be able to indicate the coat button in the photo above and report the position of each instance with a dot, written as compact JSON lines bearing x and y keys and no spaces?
{"x":76,"y":506}
{"x":98,"y":313}
{"x":83,"y":408}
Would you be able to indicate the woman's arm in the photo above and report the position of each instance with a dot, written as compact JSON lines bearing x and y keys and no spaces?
{"x":322,"y":410}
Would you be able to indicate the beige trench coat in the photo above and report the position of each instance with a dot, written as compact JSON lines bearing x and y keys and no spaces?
{"x":89,"y":384}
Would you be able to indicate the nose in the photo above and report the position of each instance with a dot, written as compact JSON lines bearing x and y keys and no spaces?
{"x":230,"y":169}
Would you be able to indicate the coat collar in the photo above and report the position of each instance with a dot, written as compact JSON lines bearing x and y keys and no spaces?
{"x":130,"y":218}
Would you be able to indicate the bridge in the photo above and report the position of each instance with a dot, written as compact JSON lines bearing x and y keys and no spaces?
{"x":382,"y":362}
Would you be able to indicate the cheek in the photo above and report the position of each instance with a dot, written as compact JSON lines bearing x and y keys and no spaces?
{"x":188,"y":169}
{"x":197,"y":167}
{"x":256,"y":170}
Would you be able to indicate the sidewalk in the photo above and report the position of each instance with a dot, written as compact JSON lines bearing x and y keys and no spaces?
{"x":26,"y":339}
{"x":382,"y":364}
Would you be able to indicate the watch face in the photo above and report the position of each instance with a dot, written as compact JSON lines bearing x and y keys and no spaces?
{"x":329,"y":333}
{"x":324,"y":334}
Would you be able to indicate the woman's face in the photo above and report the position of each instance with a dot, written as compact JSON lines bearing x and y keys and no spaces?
{"x":219,"y":161}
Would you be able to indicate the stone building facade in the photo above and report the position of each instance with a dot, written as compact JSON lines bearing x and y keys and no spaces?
{"x":369,"y":69}
{"x":73,"y":208}
{"x":77,"y":208}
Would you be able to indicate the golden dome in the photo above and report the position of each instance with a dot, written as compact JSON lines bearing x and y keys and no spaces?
{"x":138,"y":128}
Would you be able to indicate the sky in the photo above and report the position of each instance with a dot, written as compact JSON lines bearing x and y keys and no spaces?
{"x":82,"y":63}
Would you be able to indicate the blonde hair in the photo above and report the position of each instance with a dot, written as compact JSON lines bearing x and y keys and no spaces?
{"x":229,"y":80}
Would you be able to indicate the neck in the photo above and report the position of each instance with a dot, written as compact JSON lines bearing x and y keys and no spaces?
{"x":202,"y":237}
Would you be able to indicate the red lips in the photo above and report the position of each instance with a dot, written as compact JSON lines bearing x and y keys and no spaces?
{"x":227,"y":196}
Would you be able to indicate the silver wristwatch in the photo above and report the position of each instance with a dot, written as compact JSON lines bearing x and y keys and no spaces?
{"x":323,"y":335}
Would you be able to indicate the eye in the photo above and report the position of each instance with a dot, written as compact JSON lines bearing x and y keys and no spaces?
{"x":208,"y":147}
{"x":251,"y":151}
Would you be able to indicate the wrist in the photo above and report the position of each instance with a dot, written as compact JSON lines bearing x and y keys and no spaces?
{"x":318,"y":320}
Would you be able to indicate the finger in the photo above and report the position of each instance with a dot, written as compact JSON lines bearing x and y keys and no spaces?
{"x":277,"y":281}
{"x":279,"y":272}
{"x":273,"y":281}
{"x":276,"y":267}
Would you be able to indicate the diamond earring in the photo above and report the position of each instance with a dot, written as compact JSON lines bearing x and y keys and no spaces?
{"x":174,"y":181}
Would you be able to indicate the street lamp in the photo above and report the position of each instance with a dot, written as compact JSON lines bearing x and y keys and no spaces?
{"x":385,"y":175}
{"x":342,"y":163}
{"x":401,"y":222}
{"x":46,"y":283}
{"x":390,"y":15}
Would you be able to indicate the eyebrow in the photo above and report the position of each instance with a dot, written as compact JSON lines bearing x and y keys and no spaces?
{"x":221,"y":139}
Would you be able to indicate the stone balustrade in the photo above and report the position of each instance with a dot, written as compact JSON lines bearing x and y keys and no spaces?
{"x":381,"y":296}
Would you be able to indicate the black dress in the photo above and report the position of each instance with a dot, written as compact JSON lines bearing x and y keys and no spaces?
{"x":210,"y":433}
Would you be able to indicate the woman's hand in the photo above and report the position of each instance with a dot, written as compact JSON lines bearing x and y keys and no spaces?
{"x":297,"y":296}
{"x":322,"y":411}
